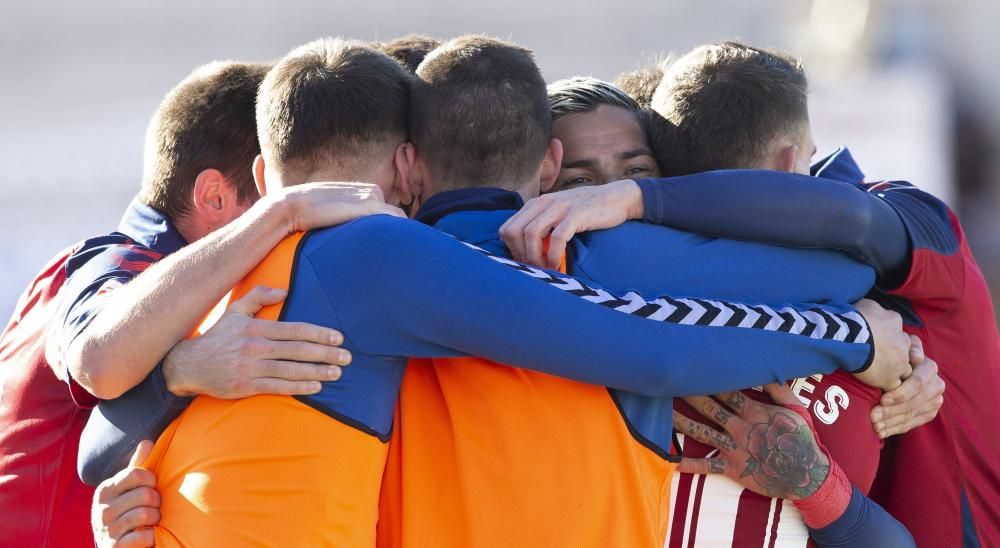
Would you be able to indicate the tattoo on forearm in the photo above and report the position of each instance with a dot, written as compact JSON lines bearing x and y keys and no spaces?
{"x":784,"y":459}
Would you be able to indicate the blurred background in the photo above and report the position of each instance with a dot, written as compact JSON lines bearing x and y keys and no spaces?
{"x":909,"y":85}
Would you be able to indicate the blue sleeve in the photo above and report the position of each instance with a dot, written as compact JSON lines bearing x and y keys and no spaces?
{"x":863,"y":525}
{"x":652,"y":259}
{"x":784,"y":209}
{"x":117,"y":426}
{"x":413,"y":291}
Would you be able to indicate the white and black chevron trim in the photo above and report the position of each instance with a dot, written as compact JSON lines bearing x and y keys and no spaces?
{"x":814,"y":323}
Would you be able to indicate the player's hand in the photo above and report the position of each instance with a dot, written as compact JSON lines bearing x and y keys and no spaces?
{"x":127,"y":505}
{"x":768,"y":449}
{"x":561,"y":215}
{"x":892,"y":347}
{"x":318,"y":205}
{"x":916,"y":402}
{"x":241,"y":356}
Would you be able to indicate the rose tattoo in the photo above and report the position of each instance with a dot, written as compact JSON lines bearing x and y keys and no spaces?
{"x":783,"y":458}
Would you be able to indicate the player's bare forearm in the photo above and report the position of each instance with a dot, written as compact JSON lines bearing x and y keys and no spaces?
{"x":146,"y":317}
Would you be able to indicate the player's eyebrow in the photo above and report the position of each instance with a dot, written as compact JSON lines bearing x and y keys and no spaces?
{"x":635,"y":153}
{"x":577,"y":164}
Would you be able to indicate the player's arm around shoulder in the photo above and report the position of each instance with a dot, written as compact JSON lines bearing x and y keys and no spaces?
{"x":145,"y":318}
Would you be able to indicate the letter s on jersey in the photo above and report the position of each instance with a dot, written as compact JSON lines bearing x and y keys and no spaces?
{"x":836,"y":399}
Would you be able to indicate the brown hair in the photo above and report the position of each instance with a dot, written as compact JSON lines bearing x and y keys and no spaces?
{"x":332,"y":100}
{"x":721,"y":106}
{"x":480,"y":113}
{"x":205,"y":122}
{"x":641,"y":84}
{"x":409,"y":50}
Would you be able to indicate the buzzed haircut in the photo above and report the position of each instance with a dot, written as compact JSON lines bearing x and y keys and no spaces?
{"x":582,"y":94}
{"x":206,"y":122}
{"x":332,"y":101}
{"x":722,"y":106}
{"x":641,"y":84}
{"x":480,"y":114}
{"x":410,"y":50}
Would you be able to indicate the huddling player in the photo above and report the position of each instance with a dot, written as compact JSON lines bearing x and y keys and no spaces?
{"x":200,"y":147}
{"x":394,"y":181}
{"x":913,"y":241}
{"x":452,"y":418}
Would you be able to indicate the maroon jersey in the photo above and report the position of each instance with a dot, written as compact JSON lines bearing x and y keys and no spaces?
{"x":42,"y":410}
{"x":942,"y":480}
{"x":41,"y":417}
{"x":714,"y":510}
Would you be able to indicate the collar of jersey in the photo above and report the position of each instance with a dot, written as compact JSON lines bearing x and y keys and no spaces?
{"x":150,"y":228}
{"x":445,"y":203}
{"x":839,"y":166}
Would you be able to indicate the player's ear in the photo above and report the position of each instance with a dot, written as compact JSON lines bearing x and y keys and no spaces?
{"x":418,"y":177}
{"x":210,"y":191}
{"x":786,"y":158}
{"x":403,"y":160}
{"x":551,"y":164}
{"x":258,"y":175}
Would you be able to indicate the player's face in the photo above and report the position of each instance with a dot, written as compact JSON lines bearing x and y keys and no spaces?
{"x":608,"y":144}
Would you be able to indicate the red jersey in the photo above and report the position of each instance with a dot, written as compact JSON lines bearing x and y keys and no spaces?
{"x":42,"y":410}
{"x":942,"y":480}
{"x":714,"y":510}
{"x":40,"y":423}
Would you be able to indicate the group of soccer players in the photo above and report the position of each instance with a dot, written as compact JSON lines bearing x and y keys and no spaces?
{"x":560,"y":348}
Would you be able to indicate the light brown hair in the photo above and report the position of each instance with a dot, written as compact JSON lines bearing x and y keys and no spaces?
{"x":722,"y":106}
{"x":480,"y":113}
{"x":205,"y":122}
{"x":332,"y":100}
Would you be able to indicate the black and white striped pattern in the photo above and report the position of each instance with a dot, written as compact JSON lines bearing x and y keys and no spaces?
{"x":814,"y":323}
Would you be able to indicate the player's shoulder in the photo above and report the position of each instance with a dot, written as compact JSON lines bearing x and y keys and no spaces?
{"x":115,"y":251}
{"x":44,"y":286}
{"x":929,"y":221}
{"x":55,"y":269}
{"x":370,"y":231}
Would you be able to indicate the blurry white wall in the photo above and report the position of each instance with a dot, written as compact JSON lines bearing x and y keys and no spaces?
{"x":81,"y":79}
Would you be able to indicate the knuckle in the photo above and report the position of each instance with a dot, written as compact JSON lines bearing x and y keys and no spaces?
{"x":285,"y":370}
{"x":145,"y":477}
{"x":299,"y":351}
{"x":146,"y":497}
{"x":107,"y":516}
{"x":297,"y":330}
{"x":144,"y":515}
{"x":241,"y":370}
{"x":239,"y":386}
{"x":248,"y":345}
